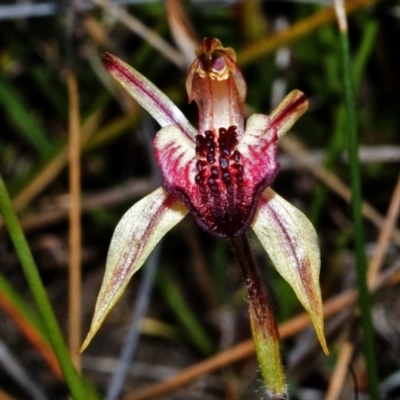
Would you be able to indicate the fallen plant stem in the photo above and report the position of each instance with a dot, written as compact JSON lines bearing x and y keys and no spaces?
{"x":54,"y":166}
{"x":130,"y":190}
{"x":296,"y":31}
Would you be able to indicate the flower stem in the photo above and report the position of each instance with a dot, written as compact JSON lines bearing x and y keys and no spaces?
{"x":263,"y":324}
{"x":31,"y":273}
{"x":352,"y":141}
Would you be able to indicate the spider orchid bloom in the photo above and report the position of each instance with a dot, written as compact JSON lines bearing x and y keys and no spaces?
{"x":220,"y":173}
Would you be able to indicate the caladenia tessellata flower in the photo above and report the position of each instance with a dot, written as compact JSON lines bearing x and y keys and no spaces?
{"x":221,"y":173}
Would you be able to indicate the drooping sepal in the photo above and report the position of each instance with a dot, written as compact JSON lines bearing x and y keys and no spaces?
{"x":135,"y":236}
{"x":290,"y":240}
{"x":161,"y":108}
{"x":258,"y":151}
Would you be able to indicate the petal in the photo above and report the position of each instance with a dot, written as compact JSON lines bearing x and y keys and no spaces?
{"x":162,"y":109}
{"x":291,"y":108}
{"x":135,"y":236}
{"x":258,"y":150}
{"x":176,"y":157}
{"x":292,"y":244}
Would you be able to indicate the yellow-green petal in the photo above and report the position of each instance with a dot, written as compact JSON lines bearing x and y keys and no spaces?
{"x":135,"y":236}
{"x":291,"y":242}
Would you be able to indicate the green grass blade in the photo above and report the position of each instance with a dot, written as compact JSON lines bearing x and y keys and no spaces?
{"x":20,"y":115}
{"x":337,"y":142}
{"x":361,"y":261}
{"x":20,"y":304}
{"x":184,"y":314}
{"x":74,"y":381}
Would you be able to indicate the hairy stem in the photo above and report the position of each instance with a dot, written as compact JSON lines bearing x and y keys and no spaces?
{"x":263,"y":324}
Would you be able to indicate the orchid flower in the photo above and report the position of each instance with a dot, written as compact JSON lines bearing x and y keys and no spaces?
{"x":221,"y":173}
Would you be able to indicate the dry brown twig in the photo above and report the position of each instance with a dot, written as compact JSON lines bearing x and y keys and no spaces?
{"x":182,"y":29}
{"x":131,"y":190}
{"x":340,"y":371}
{"x":388,"y":227}
{"x":136,"y":26}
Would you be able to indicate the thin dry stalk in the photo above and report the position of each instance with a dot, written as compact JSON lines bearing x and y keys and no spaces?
{"x":151,"y":37}
{"x":75,"y":256}
{"x":385,"y":234}
{"x":303,"y":28}
{"x":131,"y":190}
{"x":97,"y":32}
{"x":340,"y":371}
{"x":182,"y":29}
{"x":53,"y":168}
{"x":5,"y":396}
{"x":32,"y":335}
{"x":340,"y":11}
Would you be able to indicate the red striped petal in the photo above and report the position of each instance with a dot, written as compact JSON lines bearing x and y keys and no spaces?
{"x":292,"y":244}
{"x":161,"y":108}
{"x":135,"y":236}
{"x":291,"y":108}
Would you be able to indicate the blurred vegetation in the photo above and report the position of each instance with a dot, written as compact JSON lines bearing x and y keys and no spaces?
{"x":198,"y":306}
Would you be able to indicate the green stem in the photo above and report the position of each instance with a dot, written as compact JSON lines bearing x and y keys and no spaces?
{"x":336,"y":145}
{"x":263,"y":324}
{"x":361,"y":263}
{"x":39,"y":294}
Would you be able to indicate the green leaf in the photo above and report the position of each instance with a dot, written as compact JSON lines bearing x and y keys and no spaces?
{"x":184,"y":314}
{"x":21,"y":116}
